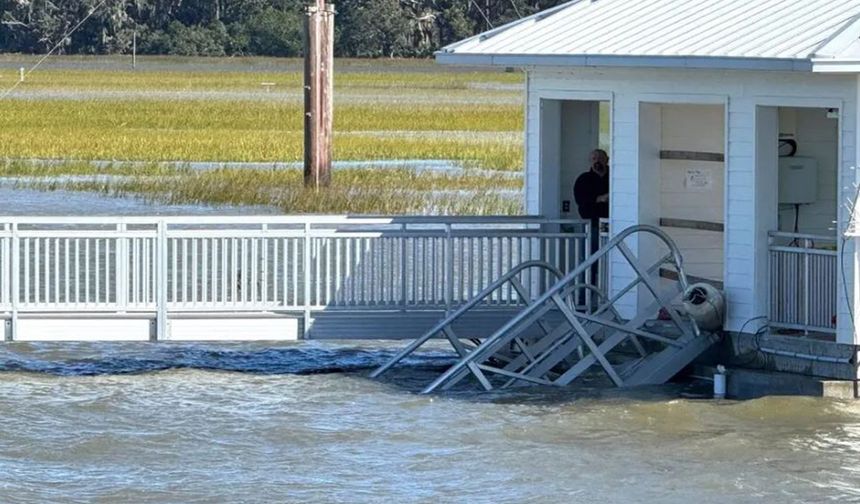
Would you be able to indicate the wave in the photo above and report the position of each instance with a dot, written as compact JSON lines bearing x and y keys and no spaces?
{"x":116,"y":359}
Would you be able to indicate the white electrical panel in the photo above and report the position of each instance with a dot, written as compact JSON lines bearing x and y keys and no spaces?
{"x":798,"y":180}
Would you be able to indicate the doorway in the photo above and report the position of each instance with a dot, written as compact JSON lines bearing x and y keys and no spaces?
{"x":797,"y":155}
{"x":570,"y":131}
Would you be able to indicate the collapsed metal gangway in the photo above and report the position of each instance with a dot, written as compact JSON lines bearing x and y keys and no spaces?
{"x":572,"y":326}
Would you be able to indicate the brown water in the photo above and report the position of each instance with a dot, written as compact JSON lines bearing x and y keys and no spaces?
{"x":303,"y":423}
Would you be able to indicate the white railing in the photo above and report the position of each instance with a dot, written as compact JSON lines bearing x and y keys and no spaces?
{"x":803,"y":282}
{"x":227,"y":264}
{"x":603,"y":264}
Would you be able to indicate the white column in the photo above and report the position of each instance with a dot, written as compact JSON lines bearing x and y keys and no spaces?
{"x":650,"y":179}
{"x":742,"y":241}
{"x":624,"y":191}
{"x":852,"y":337}
{"x":767,"y":205}
{"x":848,"y":331}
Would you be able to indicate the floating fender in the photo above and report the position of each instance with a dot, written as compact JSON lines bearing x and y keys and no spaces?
{"x":706,"y":305}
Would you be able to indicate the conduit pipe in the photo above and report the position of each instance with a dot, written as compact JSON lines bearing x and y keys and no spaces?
{"x":804,"y":356}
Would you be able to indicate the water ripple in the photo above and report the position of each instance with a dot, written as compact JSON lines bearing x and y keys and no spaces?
{"x":118,"y":359}
{"x":301,"y":422}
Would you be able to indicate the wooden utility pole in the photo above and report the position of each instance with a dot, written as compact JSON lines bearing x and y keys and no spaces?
{"x":319,"y":92}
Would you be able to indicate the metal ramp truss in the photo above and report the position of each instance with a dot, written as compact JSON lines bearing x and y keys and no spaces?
{"x":554,"y":340}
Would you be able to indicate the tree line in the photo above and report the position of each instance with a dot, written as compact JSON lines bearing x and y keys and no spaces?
{"x":365,"y":28}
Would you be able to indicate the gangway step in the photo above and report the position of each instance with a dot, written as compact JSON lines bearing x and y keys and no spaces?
{"x":661,"y":367}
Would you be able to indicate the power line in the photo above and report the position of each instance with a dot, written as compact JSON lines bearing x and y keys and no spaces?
{"x":56,"y":46}
{"x":490,"y":23}
{"x":516,"y":9}
{"x":487,"y":18}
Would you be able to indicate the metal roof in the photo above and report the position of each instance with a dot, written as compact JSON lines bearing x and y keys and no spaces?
{"x":755,"y":34}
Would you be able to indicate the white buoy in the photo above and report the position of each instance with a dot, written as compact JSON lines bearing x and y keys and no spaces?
{"x":21,"y":74}
{"x":706,"y":305}
{"x":720,"y":383}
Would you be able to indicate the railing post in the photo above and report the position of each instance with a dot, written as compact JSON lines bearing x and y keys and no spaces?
{"x":449,"y":269}
{"x":806,"y":285}
{"x":15,"y":294}
{"x":771,"y":282}
{"x":597,"y":271}
{"x":307,"y":281}
{"x":264,"y":267}
{"x":403,"y":270}
{"x":5,"y":269}
{"x":121,"y":268}
{"x":161,"y":329}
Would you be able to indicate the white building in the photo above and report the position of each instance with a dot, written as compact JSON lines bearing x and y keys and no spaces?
{"x":698,"y":103}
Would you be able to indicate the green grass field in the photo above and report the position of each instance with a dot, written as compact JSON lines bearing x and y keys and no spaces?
{"x":187,"y":110}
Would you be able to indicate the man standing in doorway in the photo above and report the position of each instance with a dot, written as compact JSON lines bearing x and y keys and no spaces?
{"x":591,"y":192}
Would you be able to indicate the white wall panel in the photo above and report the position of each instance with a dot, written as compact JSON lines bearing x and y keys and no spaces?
{"x":87,"y":329}
{"x":233,"y":329}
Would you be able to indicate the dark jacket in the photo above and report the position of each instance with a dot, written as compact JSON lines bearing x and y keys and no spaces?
{"x":588,"y":187}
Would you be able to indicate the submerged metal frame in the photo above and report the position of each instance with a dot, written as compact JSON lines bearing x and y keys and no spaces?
{"x":584,"y":337}
{"x":445,"y":329}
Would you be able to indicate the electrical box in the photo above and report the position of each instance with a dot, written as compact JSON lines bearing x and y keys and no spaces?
{"x":798,"y":180}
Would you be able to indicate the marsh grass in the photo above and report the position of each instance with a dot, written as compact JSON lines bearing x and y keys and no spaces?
{"x":254,"y":131}
{"x":204,"y":74}
{"x":246,"y":146}
{"x":200,"y":81}
{"x":15,"y":168}
{"x":385,"y":110}
{"x":365,"y":191}
{"x":239,"y":115}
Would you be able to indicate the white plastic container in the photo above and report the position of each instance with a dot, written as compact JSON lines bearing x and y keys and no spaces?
{"x":720,"y":383}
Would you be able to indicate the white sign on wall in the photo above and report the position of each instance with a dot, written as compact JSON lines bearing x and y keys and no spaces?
{"x":699,"y":179}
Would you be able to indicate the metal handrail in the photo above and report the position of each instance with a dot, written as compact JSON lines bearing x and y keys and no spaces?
{"x":559,"y":290}
{"x":476,"y":300}
{"x":803,"y":250}
{"x":802,"y":236}
{"x":802,"y":294}
{"x":583,"y":267}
